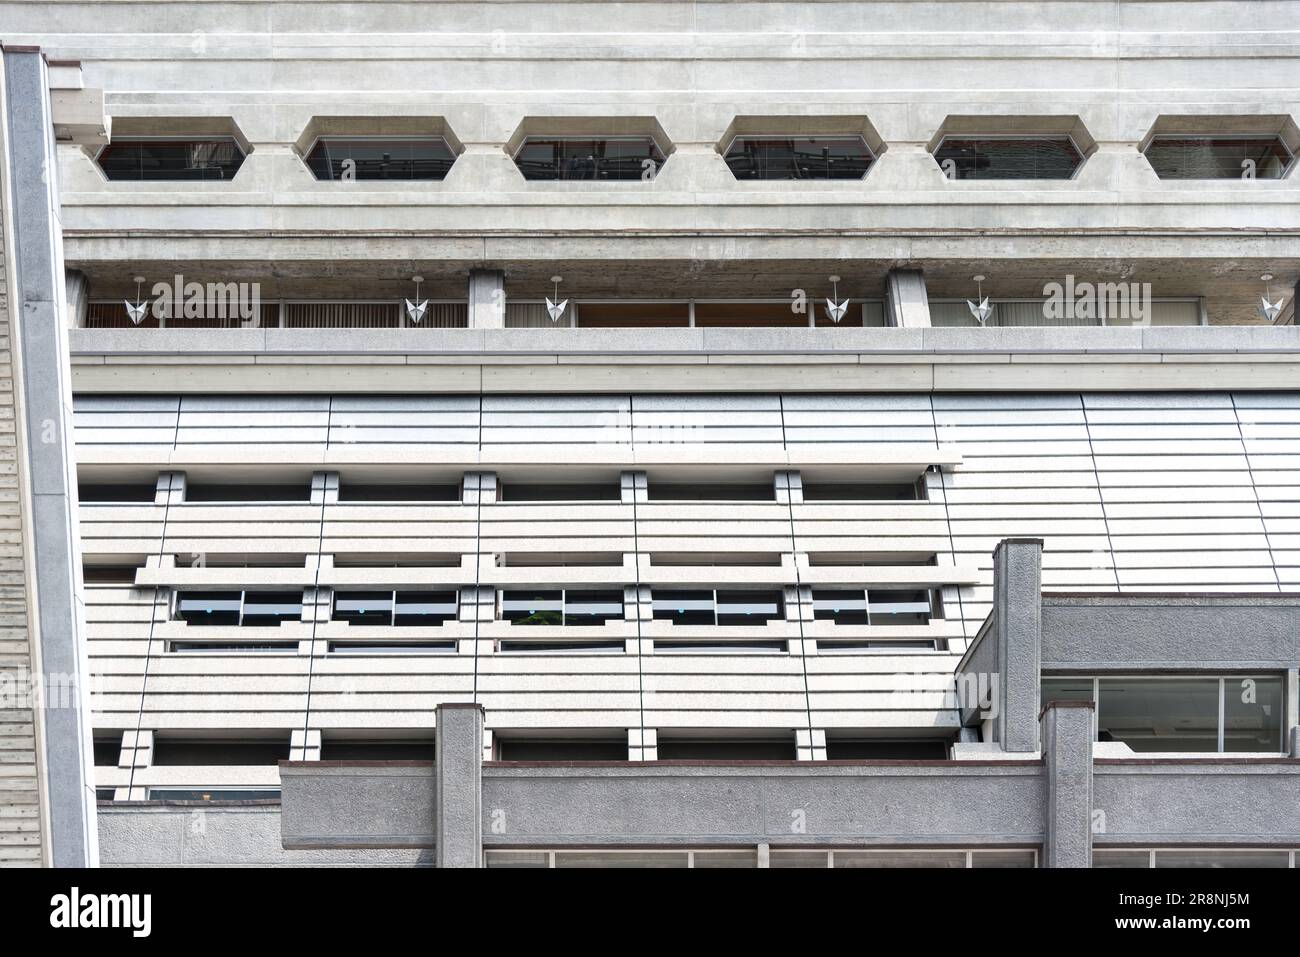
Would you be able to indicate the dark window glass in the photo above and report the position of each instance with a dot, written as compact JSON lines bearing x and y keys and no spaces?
{"x":1252,"y":714}
{"x":1217,"y":157}
{"x":171,"y":752}
{"x":116,"y":493}
{"x":232,"y":647}
{"x":885,"y":750}
{"x":859,"y":491}
{"x":535,"y":492}
{"x":612,"y":158}
{"x":689,"y":749}
{"x":107,"y":751}
{"x":541,"y":749}
{"x":104,"y":794}
{"x":899,"y":607}
{"x":379,"y":157}
{"x":533,"y":607}
{"x":564,"y":647}
{"x":248,"y":493}
{"x":363,"y":607}
{"x":216,"y":158}
{"x":424,"y":607}
{"x":1009,"y":157}
{"x":1065,"y":689}
{"x":351,"y":492}
{"x":271,"y":607}
{"x":1159,"y":714}
{"x":683,"y":607}
{"x":395,"y":750}
{"x":213,"y":794}
{"x":801,"y":157}
{"x":209,"y":607}
{"x":711,"y":492}
{"x":592,"y":607}
{"x":109,"y":574}
{"x":749,"y":607}
{"x":844,"y":607}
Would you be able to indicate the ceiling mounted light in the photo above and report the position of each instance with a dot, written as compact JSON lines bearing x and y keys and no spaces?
{"x":983,"y":310}
{"x":415,"y":311}
{"x":835,"y":310}
{"x":1269,"y":311}
{"x":555,"y":308}
{"x":136,"y":310}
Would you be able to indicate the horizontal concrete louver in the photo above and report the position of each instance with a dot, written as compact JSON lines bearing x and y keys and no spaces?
{"x":1150,"y":492}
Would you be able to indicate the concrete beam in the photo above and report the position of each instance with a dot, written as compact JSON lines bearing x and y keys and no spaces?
{"x":1067,"y":747}
{"x":458,"y":771}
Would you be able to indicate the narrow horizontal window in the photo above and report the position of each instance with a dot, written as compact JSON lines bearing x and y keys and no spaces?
{"x":711,"y":492}
{"x":683,"y":607}
{"x":875,"y":646}
{"x":250,"y":609}
{"x":750,"y":607}
{"x":109,"y":574}
{"x":1178,"y":156}
{"x":560,"y":492}
{"x":399,"y":608}
{"x":117,"y":493}
{"x":798,"y":157}
{"x":509,"y":646}
{"x":575,"y":607}
{"x":899,"y":607}
{"x":391,"y":647}
{"x":397,"y":560}
{"x":589,"y":158}
{"x":711,"y":647}
{"x":713,"y":559}
{"x":560,"y":560}
{"x":1008,"y":157}
{"x":380,"y":158}
{"x":206,"y":492}
{"x":214,"y":795}
{"x":232,"y":647}
{"x":559,"y":750}
{"x":175,"y":752}
{"x":161,"y":158}
{"x":884,"y":749}
{"x":842,"y":606}
{"x":860,"y":492}
{"x":389,"y":749}
{"x":722,"y":749}
{"x":360,"y":492}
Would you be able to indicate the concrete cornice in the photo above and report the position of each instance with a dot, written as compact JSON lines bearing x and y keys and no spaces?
{"x":695,"y":360}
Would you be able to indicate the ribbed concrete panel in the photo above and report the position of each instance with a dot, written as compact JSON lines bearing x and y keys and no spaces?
{"x":1151,"y":492}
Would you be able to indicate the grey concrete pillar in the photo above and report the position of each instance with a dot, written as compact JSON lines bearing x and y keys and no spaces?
{"x":487,"y":299}
{"x":906,"y":300}
{"x":38,"y":325}
{"x":1067,"y":753}
{"x":458,"y":776}
{"x":1018,"y":638}
{"x":78,"y":289}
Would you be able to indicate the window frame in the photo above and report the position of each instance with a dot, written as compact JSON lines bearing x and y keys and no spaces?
{"x":171,"y":138}
{"x":1083,"y":156}
{"x":872,"y":156}
{"x":179,"y":594}
{"x":393,"y":613}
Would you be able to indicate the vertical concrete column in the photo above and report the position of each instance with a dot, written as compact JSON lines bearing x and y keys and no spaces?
{"x":78,"y":305}
{"x":906,"y":300}
{"x":43,"y":408}
{"x":1018,"y":638}
{"x":1067,"y":751}
{"x":788,"y":487}
{"x":459,"y":783}
{"x":634,"y":488}
{"x":325,"y":488}
{"x":478,"y":488}
{"x":487,"y":299}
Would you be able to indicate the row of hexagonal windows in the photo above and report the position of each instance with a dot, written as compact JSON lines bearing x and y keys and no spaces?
{"x":770,"y":156}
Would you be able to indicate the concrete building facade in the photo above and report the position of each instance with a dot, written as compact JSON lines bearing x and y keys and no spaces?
{"x":694,"y":434}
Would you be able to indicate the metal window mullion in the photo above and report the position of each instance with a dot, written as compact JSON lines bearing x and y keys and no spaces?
{"x":1222,"y":710}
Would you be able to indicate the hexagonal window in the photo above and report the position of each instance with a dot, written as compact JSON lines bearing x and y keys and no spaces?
{"x":1211,"y":156}
{"x":798,"y":157}
{"x":1008,"y":157}
{"x":380,"y":158}
{"x":171,"y":158}
{"x":589,"y":158}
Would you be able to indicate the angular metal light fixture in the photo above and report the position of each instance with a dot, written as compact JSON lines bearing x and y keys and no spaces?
{"x":555,"y":308}
{"x":1269,"y":311}
{"x":415,"y":311}
{"x":835,"y":309}
{"x":136,"y":310}
{"x":983,"y":310}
